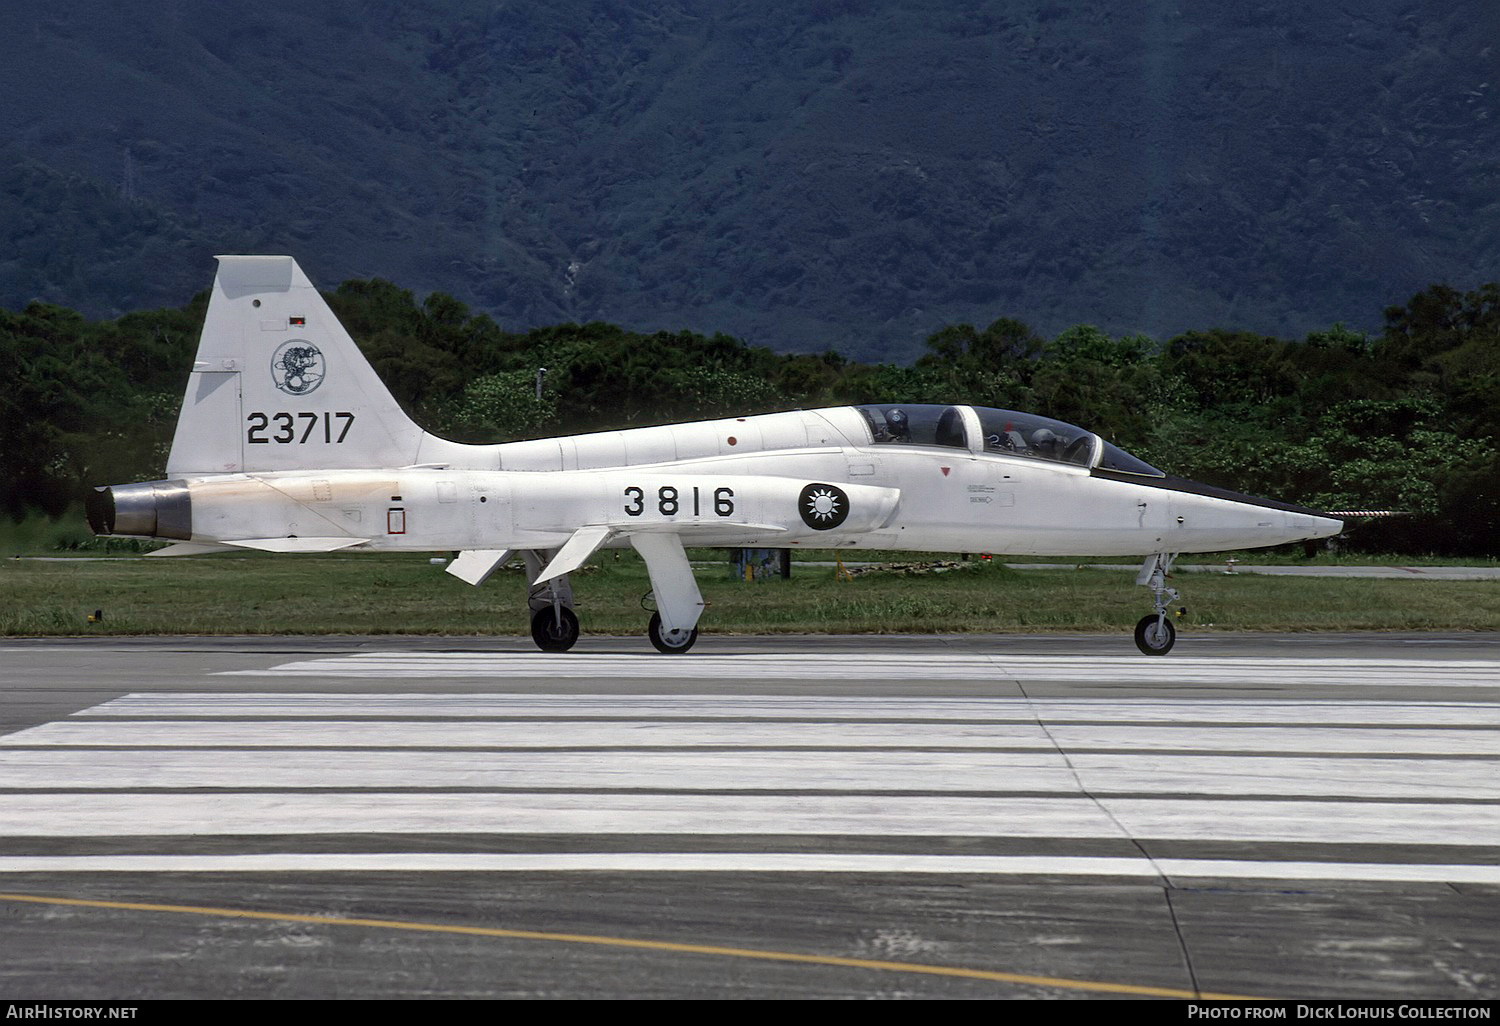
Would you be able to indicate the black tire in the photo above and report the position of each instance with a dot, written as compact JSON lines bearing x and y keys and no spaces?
{"x":1155,"y":635}
{"x":673,"y":644}
{"x":549,"y":635}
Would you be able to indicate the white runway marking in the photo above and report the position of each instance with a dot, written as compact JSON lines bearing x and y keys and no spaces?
{"x":756,"y":862}
{"x":764,"y":768}
{"x":187,"y":814}
{"x":653,"y":708}
{"x":686,"y":771}
{"x":520,"y":733}
{"x":1477,"y":673}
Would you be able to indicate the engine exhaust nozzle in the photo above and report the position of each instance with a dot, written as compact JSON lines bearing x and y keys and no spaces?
{"x":156,"y":509}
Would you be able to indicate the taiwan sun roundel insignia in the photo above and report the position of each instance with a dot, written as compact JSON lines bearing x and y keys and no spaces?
{"x":297,"y":367}
{"x":823,"y":506}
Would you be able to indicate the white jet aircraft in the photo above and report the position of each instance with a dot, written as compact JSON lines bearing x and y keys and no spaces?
{"x":289,"y":442}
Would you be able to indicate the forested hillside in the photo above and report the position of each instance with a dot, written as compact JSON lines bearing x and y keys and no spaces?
{"x":804,"y":174}
{"x":1405,"y":419}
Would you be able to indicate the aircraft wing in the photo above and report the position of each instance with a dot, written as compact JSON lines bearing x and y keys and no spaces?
{"x":705,"y":530}
{"x":583,"y":544}
{"x":474,"y":566}
{"x":587,"y":540}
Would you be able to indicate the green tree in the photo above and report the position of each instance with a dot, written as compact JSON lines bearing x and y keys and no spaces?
{"x":504,"y":406}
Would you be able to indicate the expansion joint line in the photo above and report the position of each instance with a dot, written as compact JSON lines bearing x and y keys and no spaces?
{"x":1187,"y":957}
{"x":1166,"y":883}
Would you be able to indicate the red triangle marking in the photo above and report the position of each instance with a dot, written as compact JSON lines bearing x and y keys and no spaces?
{"x":945,"y":470}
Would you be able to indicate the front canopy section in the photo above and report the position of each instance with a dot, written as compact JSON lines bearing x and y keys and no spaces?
{"x":1114,"y":458}
{"x":1026,"y":434}
{"x":1005,"y":432}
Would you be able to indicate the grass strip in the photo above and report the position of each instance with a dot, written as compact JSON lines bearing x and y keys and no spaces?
{"x":408,"y":594}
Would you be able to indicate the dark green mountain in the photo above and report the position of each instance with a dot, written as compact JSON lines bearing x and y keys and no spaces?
{"x":803,"y":174}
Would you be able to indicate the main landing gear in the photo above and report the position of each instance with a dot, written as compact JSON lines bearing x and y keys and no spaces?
{"x":554,"y":625}
{"x":670,"y":642}
{"x":674,"y":625}
{"x":1155,"y":634}
{"x":554,"y":629}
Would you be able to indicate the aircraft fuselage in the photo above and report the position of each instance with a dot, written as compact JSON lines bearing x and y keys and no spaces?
{"x":905,"y":497}
{"x":289,"y":442}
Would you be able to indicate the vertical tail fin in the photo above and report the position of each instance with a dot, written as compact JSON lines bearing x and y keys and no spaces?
{"x":278,"y":384}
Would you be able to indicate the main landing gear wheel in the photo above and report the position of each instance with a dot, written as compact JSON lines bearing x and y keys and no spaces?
{"x":554,"y":630}
{"x":1155,"y":635}
{"x":670,"y":642}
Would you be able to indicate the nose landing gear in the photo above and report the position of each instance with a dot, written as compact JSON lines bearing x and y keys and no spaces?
{"x":1155,"y":634}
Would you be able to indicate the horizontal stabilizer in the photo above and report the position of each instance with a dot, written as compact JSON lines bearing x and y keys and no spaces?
{"x":583,"y":544}
{"x":297,"y":544}
{"x":474,"y":566}
{"x":191,"y":549}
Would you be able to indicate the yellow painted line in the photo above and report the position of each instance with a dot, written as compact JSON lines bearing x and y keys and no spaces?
{"x":645,"y":945}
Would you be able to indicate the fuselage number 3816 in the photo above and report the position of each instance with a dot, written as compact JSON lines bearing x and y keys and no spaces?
{"x":670,"y":501}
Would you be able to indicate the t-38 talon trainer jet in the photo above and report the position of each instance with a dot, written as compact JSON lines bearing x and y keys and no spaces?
{"x":288,"y":442}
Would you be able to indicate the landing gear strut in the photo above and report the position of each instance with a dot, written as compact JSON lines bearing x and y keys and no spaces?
{"x":1155,"y":635}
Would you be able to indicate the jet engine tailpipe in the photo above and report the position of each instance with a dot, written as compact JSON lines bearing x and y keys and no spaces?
{"x":156,"y":509}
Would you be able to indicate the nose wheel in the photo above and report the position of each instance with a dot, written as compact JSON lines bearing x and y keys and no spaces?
{"x":1155,"y":635}
{"x":670,"y":642}
{"x":554,"y":629}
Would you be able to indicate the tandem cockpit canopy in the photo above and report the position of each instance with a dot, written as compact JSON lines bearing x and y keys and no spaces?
{"x":1005,"y":432}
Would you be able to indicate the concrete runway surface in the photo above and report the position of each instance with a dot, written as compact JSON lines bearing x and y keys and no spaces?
{"x":1280,"y":816}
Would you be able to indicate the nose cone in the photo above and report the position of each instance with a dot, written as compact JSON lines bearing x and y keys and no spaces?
{"x":1196,"y":517}
{"x":1297,"y":527}
{"x":1213,"y":518}
{"x":1324,"y":525}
